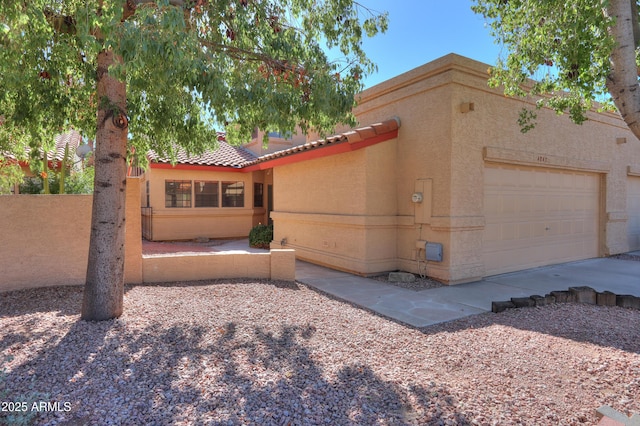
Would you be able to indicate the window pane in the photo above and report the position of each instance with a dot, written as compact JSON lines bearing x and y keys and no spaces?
{"x":206,"y":193}
{"x":258,"y":196}
{"x":177,"y":193}
{"x":232,"y":194}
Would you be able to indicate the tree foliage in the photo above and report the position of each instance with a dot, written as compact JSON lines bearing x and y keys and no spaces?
{"x":10,"y":174}
{"x":144,"y":74}
{"x":577,"y":52}
{"x":189,"y":66}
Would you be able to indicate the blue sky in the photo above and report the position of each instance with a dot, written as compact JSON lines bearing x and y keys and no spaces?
{"x":423,"y":30}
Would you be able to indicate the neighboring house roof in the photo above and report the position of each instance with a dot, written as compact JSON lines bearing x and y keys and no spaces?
{"x":72,"y":138}
{"x":239,"y":158}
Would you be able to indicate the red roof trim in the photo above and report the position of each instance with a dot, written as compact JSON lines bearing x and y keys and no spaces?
{"x":202,"y":167}
{"x":324,"y":151}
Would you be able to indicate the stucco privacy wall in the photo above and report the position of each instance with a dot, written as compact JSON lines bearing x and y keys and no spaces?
{"x":45,"y":239}
{"x":187,"y":223}
{"x":277,"y":264}
{"x":453,"y":125}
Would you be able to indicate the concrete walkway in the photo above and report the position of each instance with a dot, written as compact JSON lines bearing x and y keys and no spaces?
{"x":432,"y":306}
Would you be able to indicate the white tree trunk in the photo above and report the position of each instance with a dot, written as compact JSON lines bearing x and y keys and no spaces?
{"x":622,"y":83}
{"x":104,"y":287}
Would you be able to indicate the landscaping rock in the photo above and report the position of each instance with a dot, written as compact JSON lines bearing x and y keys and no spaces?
{"x":563,"y":296}
{"x":628,"y":301}
{"x":574,"y":294}
{"x":497,"y":307}
{"x":401,"y":277}
{"x":543,"y":300}
{"x":606,"y":298}
{"x":583,"y":295}
{"x":523,"y":302}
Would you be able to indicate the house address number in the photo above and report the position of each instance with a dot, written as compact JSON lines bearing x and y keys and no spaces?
{"x":542,"y":159}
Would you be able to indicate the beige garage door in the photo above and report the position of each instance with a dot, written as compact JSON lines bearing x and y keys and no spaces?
{"x":536,"y":217}
{"x":633,"y":212}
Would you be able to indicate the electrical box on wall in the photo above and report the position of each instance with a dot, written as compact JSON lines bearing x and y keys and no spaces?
{"x":422,"y":202}
{"x":434,"y":252}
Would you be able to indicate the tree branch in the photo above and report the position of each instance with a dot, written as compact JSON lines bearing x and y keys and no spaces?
{"x":634,"y":20}
{"x":61,"y":23}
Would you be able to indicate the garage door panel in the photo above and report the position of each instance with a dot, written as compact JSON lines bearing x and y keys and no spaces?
{"x":548,"y":217}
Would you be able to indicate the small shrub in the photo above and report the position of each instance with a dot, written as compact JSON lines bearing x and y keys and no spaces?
{"x":260,"y":236}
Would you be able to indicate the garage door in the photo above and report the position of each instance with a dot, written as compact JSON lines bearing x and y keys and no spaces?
{"x":633,"y":212}
{"x":536,"y":216}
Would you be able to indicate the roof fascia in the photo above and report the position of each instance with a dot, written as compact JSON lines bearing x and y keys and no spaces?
{"x":325,"y":151}
{"x":196,"y":167}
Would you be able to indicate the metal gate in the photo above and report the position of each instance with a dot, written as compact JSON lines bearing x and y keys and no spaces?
{"x":147,"y":224}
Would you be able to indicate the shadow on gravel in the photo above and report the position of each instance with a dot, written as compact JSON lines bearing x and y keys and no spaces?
{"x":578,"y":322}
{"x":65,"y":300}
{"x":232,"y":374}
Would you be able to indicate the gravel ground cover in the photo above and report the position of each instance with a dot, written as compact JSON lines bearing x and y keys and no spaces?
{"x":269,"y":353}
{"x":421,"y":283}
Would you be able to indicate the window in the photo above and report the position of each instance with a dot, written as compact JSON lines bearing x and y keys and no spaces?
{"x":206,"y":193}
{"x":258,"y":195}
{"x":232,"y":194}
{"x":177,"y":193}
{"x":281,"y":135}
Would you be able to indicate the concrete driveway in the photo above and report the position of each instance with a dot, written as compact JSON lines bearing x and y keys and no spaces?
{"x":432,"y":306}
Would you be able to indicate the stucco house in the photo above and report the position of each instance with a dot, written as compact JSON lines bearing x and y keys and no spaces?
{"x":445,"y":162}
{"x":225,"y":192}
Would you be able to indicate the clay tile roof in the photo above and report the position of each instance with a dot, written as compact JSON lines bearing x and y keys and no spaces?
{"x":223,"y":155}
{"x":238,"y":157}
{"x":352,"y":136}
{"x":72,"y":138}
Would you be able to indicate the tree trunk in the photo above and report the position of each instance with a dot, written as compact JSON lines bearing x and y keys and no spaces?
{"x":104,"y":287}
{"x":622,"y":83}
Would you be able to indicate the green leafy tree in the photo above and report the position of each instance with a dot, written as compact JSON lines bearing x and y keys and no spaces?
{"x":10,"y":174}
{"x":160,"y":74}
{"x":578,"y":51}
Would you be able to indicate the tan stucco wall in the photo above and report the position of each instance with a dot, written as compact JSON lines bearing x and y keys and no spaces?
{"x":441,"y":150}
{"x":133,"y":240}
{"x":210,"y":222}
{"x":45,"y":239}
{"x":275,"y":264}
{"x":335,"y":210}
{"x":555,"y":142}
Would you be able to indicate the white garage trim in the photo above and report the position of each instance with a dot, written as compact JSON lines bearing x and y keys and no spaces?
{"x":538,"y":216}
